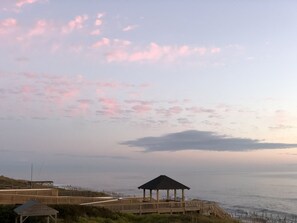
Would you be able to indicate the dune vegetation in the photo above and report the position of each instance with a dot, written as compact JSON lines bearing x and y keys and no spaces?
{"x":86,"y":214}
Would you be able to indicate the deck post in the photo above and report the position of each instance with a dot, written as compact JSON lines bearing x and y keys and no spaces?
{"x":167,"y":195}
{"x":151,"y":195}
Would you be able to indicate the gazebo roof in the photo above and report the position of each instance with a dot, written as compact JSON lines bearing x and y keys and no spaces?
{"x":163,"y":182}
{"x":34,"y":208}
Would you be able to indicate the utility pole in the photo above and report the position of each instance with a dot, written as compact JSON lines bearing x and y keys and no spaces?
{"x":31,"y":175}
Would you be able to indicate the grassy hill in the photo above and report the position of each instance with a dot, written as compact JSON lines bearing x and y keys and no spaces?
{"x":9,"y":183}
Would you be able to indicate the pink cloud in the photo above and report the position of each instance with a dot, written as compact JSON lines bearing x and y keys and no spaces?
{"x":76,"y":48}
{"x":7,"y":25}
{"x":84,"y":104}
{"x":111,"y":106}
{"x":155,"y":52}
{"x":65,"y":96}
{"x":200,"y":50}
{"x":98,"y":21}
{"x":184,"y":50}
{"x":141,"y":108}
{"x":115,"y":43}
{"x":102,"y":42}
{"x":129,"y":28}
{"x":61,"y":95}
{"x":21,"y":3}
{"x":216,"y":50}
{"x":39,"y":29}
{"x":95,"y":32}
{"x":121,"y":43}
{"x":117,"y":56}
{"x":26,"y":89}
{"x":10,"y":22}
{"x":175,"y":110}
{"x":75,"y":24}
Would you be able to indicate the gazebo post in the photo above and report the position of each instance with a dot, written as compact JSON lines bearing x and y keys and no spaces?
{"x":183,"y":195}
{"x":143,"y":194}
{"x":151,"y":195}
{"x":157,"y":195}
{"x":168,"y":195}
{"x":21,"y":219}
{"x":174,"y":194}
{"x":47,"y":219}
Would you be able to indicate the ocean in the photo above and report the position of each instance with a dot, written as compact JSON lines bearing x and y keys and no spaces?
{"x":262,"y":192}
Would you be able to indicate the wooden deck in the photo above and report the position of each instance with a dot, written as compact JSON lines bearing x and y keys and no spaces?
{"x":203,"y":207}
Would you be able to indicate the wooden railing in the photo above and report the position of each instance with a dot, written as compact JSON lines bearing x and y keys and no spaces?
{"x":21,"y":199}
{"x":203,"y":207}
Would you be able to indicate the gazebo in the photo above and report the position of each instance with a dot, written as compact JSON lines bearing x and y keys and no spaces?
{"x":35,"y":208}
{"x":163,"y":183}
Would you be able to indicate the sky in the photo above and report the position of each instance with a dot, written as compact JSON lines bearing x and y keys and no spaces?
{"x":134,"y":89}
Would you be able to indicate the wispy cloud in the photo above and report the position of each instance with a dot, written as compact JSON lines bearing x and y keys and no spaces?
{"x":93,"y":156}
{"x":110,"y":105}
{"x":98,"y":21}
{"x":202,"y":140}
{"x":40,"y":28}
{"x":65,"y":95}
{"x":75,"y":24}
{"x":129,"y":28}
{"x":6,"y":25}
{"x":95,"y":32}
{"x":170,"y":111}
{"x":21,"y":3}
{"x":102,"y":42}
{"x":281,"y":127}
{"x":156,"y":52}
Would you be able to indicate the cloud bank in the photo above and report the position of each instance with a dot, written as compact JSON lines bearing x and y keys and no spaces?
{"x":202,"y":140}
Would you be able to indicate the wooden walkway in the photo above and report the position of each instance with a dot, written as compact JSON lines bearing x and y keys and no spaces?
{"x":202,"y":207}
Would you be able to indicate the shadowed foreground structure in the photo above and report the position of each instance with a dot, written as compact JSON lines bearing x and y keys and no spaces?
{"x":35,"y":208}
